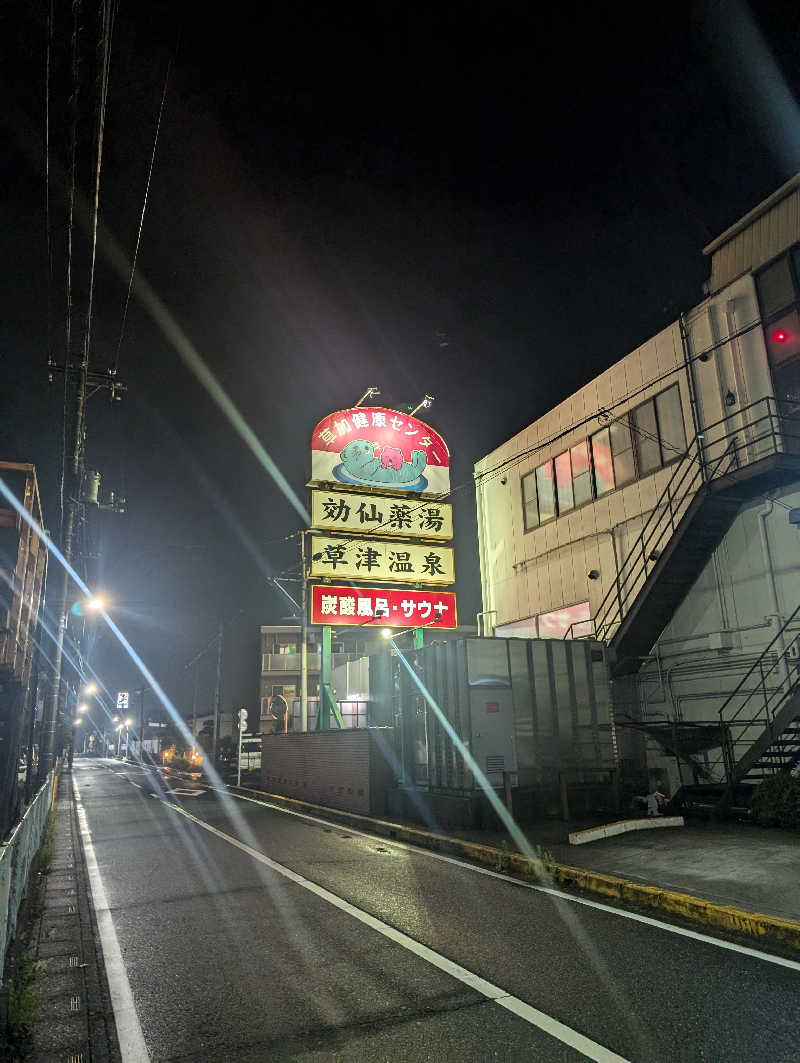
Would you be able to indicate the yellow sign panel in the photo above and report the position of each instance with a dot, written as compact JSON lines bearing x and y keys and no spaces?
{"x":369,"y":514}
{"x":384,"y":562}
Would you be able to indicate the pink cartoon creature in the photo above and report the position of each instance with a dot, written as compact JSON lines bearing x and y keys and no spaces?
{"x":392,"y":458}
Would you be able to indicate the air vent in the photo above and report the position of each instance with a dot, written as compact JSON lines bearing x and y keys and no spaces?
{"x":495,"y":763}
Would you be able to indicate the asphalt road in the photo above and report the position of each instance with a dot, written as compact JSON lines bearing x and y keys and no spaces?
{"x":248,"y":933}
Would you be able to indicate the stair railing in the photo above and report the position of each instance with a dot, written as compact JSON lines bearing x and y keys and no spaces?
{"x":772,"y":678}
{"x":723,"y":447}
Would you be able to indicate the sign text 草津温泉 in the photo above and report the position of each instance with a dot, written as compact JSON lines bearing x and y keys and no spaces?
{"x":378,"y":607}
{"x":369,"y":514}
{"x":382,"y":561}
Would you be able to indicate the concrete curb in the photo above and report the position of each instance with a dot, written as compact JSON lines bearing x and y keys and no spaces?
{"x":707,"y":913}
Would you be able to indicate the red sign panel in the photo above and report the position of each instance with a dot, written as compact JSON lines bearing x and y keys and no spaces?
{"x":379,"y":607}
{"x":371,"y":446}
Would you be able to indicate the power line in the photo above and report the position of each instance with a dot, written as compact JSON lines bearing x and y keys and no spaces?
{"x":141,"y":217}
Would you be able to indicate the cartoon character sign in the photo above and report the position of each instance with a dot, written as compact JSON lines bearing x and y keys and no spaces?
{"x":377,"y":447}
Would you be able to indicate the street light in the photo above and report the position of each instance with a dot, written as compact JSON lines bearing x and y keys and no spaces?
{"x":120,"y":729}
{"x":90,"y":688}
{"x":83,"y":708}
{"x":96,"y":604}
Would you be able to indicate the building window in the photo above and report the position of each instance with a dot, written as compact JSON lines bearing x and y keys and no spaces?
{"x":645,"y":433}
{"x":778,"y":287}
{"x":545,"y":492}
{"x":635,"y":445}
{"x":775,"y":287}
{"x":573,"y":621}
{"x":671,"y":433}
{"x":622,"y":452}
{"x":581,"y":473}
{"x":530,"y":508}
{"x":603,"y":465}
{"x":566,"y":499}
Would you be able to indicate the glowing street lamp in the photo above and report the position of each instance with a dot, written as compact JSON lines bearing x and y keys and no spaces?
{"x":77,"y":722}
{"x":96,"y":604}
{"x":90,"y":688}
{"x":83,"y":708}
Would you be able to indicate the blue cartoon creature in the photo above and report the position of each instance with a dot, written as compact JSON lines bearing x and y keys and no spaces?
{"x":365,"y":466}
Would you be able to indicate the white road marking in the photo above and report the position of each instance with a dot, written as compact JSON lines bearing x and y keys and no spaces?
{"x":129,"y":1031}
{"x":621,"y":913}
{"x":138,"y":784}
{"x":525,"y":1011}
{"x":186,"y":793}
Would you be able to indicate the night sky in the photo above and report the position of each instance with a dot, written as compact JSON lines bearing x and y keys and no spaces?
{"x":490,"y":203}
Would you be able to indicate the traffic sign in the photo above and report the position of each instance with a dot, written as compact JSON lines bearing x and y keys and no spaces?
{"x":122,"y":699}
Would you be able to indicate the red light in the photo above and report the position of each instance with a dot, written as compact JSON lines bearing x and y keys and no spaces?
{"x":779,"y":336}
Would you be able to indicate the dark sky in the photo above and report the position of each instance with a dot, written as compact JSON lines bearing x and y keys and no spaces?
{"x":487,"y":202}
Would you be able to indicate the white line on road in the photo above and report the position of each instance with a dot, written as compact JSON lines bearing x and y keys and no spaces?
{"x":518,"y":1007}
{"x":137,"y":784}
{"x":129,"y":1031}
{"x":621,"y":913}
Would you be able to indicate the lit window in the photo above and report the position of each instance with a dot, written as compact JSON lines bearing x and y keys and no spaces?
{"x":622,"y":452}
{"x":581,"y":473}
{"x":572,"y":620}
{"x":546,"y":492}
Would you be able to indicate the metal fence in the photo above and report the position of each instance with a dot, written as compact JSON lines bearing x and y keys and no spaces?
{"x":16,"y":857}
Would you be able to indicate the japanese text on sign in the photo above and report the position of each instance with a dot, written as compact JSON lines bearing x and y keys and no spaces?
{"x":389,"y":562}
{"x":373,"y":515}
{"x":356,"y":606}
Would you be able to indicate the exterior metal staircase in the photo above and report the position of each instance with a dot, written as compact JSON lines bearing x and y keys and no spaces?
{"x":731,"y":461}
{"x":760,"y":724}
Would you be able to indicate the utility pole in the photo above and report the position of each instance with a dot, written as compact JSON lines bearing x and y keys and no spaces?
{"x":303,"y":636}
{"x":72,"y":487}
{"x":218,"y":694}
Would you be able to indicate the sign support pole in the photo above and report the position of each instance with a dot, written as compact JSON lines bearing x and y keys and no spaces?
{"x":327,"y":702}
{"x":323,"y":709}
{"x":239,"y":758}
{"x":303,"y":636}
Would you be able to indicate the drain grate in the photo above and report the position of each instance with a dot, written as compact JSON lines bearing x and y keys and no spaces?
{"x":74,"y":961}
{"x":74,"y":1003}
{"x":77,"y":1058}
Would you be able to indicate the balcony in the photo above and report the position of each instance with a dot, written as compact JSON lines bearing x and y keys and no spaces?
{"x":281,"y":663}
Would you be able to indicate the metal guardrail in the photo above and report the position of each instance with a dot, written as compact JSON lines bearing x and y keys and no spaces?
{"x":16,"y":857}
{"x":752,"y":433}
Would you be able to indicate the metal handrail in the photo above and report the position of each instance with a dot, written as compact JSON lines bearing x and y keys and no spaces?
{"x":758,"y":663}
{"x":673,"y":502}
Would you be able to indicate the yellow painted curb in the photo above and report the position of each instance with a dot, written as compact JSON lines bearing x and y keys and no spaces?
{"x":726,"y":917}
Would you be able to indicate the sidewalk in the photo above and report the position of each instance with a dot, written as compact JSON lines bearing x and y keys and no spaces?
{"x":754,"y":868}
{"x":74,"y":1019}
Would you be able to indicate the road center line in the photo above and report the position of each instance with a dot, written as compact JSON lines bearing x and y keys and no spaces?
{"x":621,"y":913}
{"x":518,"y":1007}
{"x":129,"y":1031}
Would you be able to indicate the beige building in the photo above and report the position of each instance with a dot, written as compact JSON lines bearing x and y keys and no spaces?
{"x":651,"y":508}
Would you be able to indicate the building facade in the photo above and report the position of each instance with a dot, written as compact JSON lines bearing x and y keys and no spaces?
{"x":651,"y":509}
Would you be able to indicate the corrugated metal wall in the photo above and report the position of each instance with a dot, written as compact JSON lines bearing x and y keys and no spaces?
{"x":760,"y":241}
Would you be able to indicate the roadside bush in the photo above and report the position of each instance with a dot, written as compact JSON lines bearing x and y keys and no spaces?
{"x":776,"y":802}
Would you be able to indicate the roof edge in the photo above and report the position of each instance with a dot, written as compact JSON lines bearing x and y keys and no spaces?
{"x":752,"y":215}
